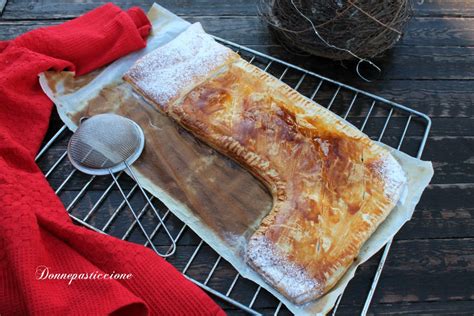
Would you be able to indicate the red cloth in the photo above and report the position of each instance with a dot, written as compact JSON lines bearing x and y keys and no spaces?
{"x":35,"y":229}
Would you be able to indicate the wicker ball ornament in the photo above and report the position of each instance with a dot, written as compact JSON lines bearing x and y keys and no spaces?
{"x":337,"y":29}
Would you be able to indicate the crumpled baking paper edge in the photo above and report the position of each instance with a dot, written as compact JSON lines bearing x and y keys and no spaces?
{"x":166,"y":26}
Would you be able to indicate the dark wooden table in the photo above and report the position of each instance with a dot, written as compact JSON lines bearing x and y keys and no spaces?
{"x":430,"y":269}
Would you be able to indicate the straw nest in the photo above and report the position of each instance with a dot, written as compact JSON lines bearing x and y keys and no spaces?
{"x":364,"y":27}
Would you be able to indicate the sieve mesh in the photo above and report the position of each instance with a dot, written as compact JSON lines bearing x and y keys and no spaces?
{"x":105,"y":141}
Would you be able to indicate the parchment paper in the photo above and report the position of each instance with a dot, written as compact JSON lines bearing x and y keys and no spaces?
{"x":213,"y":195}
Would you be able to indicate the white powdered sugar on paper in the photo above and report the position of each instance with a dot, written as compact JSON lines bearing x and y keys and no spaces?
{"x":290,"y":277}
{"x":189,"y":58}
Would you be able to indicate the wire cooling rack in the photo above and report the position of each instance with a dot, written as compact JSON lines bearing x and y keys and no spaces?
{"x":95,"y":202}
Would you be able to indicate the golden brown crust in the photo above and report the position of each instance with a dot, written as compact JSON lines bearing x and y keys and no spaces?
{"x":332,"y":186}
{"x":188,"y":58}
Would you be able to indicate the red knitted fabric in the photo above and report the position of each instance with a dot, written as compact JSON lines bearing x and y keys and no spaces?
{"x":35,"y":229}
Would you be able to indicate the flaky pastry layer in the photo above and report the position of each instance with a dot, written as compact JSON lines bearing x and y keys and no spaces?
{"x":331,"y":185}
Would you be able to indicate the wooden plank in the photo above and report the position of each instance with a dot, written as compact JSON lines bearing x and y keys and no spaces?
{"x":12,"y":29}
{"x":424,"y":279}
{"x":433,"y":256}
{"x":251,"y":30}
{"x":451,"y":308}
{"x":422,"y":309}
{"x":421,"y":31}
{"x":401,"y":63}
{"x":452,"y":159}
{"x":444,"y":31}
{"x":71,"y":8}
{"x":51,"y":9}
{"x":416,"y":288}
{"x":447,"y":98}
{"x":452,"y":127}
{"x":445,"y":211}
{"x":443,"y":8}
{"x":436,"y":286}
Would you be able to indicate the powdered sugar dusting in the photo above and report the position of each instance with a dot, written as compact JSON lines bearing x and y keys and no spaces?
{"x":189,"y":58}
{"x":392,"y":175}
{"x":291,"y":278}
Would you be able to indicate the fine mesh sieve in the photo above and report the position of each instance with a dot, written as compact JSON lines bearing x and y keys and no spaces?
{"x":109,"y":143}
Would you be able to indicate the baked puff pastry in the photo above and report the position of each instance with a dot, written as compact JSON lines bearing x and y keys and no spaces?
{"x":331,"y":185}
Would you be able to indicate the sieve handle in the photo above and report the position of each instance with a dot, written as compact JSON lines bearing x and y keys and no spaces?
{"x":138,"y":220}
{"x":172,"y":248}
